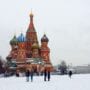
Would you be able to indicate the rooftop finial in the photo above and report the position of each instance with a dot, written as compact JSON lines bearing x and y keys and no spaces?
{"x":15,"y":34}
{"x":31,"y":14}
{"x":44,"y":33}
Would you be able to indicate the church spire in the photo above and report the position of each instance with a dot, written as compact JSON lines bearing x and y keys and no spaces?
{"x":31,"y":25}
{"x":31,"y":35}
{"x":31,"y":16}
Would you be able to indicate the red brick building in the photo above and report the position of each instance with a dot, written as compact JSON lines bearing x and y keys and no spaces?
{"x":26,"y":53}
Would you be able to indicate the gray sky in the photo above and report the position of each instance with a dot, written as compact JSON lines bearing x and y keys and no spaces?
{"x":66,"y":23}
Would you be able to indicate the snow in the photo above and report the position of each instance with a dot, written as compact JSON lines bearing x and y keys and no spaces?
{"x":57,"y":82}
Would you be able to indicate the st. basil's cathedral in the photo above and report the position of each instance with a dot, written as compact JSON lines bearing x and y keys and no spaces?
{"x":26,"y":53}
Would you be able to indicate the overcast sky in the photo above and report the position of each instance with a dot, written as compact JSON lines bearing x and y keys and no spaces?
{"x":65,"y":22}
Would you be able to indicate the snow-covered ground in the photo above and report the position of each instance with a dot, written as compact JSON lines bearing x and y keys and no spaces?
{"x":77,"y":82}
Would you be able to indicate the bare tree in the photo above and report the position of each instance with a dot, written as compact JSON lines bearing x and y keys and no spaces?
{"x":63,"y":67}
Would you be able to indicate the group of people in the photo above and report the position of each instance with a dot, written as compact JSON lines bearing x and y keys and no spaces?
{"x":30,"y":73}
{"x":46,"y":73}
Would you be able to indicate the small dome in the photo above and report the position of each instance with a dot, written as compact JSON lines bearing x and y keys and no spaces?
{"x":35,"y":46}
{"x":44,"y":38}
{"x":21,"y":38}
{"x":14,"y":41}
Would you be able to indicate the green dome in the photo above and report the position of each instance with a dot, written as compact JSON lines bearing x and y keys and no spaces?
{"x":35,"y":46}
{"x":14,"y":41}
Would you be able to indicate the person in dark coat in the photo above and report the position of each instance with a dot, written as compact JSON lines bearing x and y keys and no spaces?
{"x":17,"y":73}
{"x":70,"y":74}
{"x":27,"y":75}
{"x":31,"y":74}
{"x":45,"y":74}
{"x":48,"y":73}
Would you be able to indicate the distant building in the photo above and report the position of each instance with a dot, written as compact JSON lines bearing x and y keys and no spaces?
{"x":26,"y":53}
{"x":82,"y":69}
{"x":79,"y":69}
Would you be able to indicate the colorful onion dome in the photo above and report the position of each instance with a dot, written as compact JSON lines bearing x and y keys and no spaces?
{"x":35,"y":46}
{"x":44,"y":38}
{"x":14,"y":41}
{"x":21,"y":38}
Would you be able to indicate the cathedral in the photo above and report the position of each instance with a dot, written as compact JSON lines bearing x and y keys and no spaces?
{"x":26,"y":53}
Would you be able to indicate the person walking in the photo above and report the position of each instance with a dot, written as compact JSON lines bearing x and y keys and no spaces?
{"x":31,"y":74}
{"x":45,"y":74}
{"x":17,"y":73}
{"x":48,"y":75}
{"x":70,"y":74}
{"x":27,"y":75}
